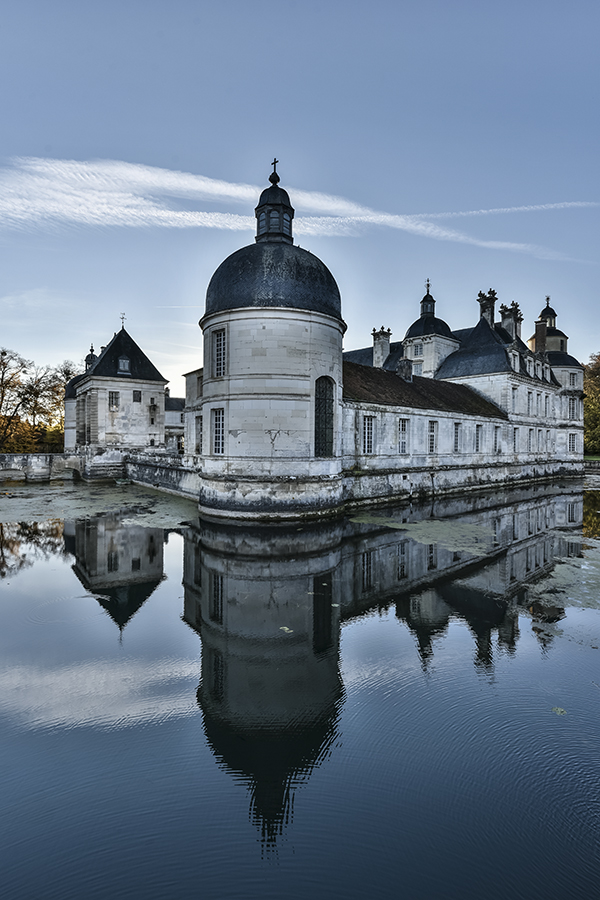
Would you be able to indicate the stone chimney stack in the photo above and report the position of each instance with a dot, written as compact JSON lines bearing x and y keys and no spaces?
{"x":404,"y":369}
{"x":540,"y":335}
{"x":381,"y":346}
{"x":511,"y":319}
{"x":487,"y":303}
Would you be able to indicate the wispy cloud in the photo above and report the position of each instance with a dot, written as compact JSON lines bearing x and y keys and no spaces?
{"x":49,"y":193}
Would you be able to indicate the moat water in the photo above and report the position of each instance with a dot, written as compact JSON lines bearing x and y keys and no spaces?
{"x":400,"y":704}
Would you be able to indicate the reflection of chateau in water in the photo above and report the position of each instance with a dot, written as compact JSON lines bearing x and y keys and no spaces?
{"x":269,"y":603}
{"x":120,"y":564}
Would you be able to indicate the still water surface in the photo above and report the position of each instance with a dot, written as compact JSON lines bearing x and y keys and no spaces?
{"x":403,"y":704}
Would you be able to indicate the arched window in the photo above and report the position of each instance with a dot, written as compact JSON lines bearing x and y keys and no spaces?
{"x":262,"y":222}
{"x":273,"y":220}
{"x":324,"y":417}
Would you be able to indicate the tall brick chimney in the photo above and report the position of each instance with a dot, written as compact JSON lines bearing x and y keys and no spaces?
{"x":487,"y":304}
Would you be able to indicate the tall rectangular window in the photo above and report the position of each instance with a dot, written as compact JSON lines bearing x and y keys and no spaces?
{"x":402,"y":560}
{"x":572,"y":379}
{"x":417,"y":350}
{"x":572,"y":443}
{"x":199,"y":381}
{"x":417,"y":368}
{"x":457,"y":437}
{"x":497,"y":436}
{"x":367,"y":570}
{"x":218,"y":430}
{"x":368,"y":431}
{"x":403,"y":434}
{"x":514,"y":398}
{"x":198,"y":434}
{"x":432,"y":437}
{"x":539,"y":441}
{"x":573,"y":404}
{"x":530,"y":441}
{"x":112,"y":561}
{"x":219,"y":353}
{"x":478,"y":438}
{"x":571,"y":513}
{"x":216,"y":597}
{"x":515,"y":440}
{"x":432,"y":556}
{"x":529,"y":403}
{"x":113,"y":400}
{"x":538,"y":404}
{"x":137,"y":396}
{"x":546,"y":405}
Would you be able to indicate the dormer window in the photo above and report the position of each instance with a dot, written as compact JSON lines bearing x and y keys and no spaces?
{"x":417,"y":350}
{"x":124,"y":364}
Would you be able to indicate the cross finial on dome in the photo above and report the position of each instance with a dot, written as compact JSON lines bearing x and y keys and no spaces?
{"x":274,"y":177}
{"x":123,"y":317}
{"x":547,"y":299}
{"x":428,"y":285}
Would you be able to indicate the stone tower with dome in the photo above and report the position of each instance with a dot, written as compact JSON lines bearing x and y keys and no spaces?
{"x":268,"y":421}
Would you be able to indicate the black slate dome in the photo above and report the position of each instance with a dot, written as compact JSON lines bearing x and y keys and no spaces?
{"x":271,"y":274}
{"x":428,"y":323}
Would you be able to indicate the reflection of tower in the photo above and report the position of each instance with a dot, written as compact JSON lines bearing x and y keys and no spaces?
{"x":121,"y":564}
{"x":270,"y":688}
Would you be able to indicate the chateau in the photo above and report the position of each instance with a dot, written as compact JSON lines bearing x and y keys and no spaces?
{"x":280,"y":422}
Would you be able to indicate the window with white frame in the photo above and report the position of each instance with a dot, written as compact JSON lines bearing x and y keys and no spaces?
{"x":457,"y":430}
{"x":572,"y":443}
{"x":113,"y":400}
{"x":368,"y":558}
{"x":478,"y":438}
{"x":402,"y":560}
{"x":573,"y":408}
{"x":219,"y":352}
{"x":403,"y":435}
{"x":124,"y":364}
{"x":368,"y":442}
{"x":432,"y":437}
{"x":529,"y":403}
{"x":218,"y":430}
{"x":571,"y":513}
{"x":417,"y":369}
{"x":572,"y":379}
{"x":417,"y":350}
{"x":497,"y":436}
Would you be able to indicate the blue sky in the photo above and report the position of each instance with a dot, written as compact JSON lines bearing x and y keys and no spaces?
{"x":136,"y":136}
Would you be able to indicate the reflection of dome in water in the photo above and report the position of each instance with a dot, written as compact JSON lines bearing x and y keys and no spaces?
{"x":273,"y":762}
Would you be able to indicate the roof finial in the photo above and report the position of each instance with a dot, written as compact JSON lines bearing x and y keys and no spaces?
{"x":428,"y":285}
{"x":547,"y":299}
{"x":123,"y":317}
{"x":274,"y":177}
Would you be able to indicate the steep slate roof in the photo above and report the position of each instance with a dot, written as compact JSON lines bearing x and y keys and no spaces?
{"x":366,"y":384}
{"x":558,"y":358}
{"x":428,"y":324}
{"x":481,"y":353}
{"x":174,"y":404}
{"x":122,"y":344}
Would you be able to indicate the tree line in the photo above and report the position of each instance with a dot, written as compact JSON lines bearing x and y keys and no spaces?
{"x":32,"y":408}
{"x":591,"y":405}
